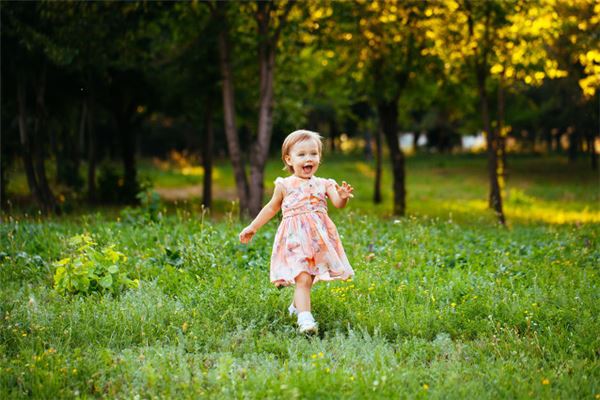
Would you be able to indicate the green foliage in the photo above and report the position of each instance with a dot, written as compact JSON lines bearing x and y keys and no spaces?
{"x":87,"y":269}
{"x":443,"y":305}
{"x":150,"y":204}
{"x":436,"y":308}
{"x":148,"y":210}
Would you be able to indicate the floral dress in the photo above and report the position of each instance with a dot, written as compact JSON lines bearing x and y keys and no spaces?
{"x":307,"y":240}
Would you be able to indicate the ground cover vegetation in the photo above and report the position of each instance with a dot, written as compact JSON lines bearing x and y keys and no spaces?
{"x":136,"y":139}
{"x":445,"y":304}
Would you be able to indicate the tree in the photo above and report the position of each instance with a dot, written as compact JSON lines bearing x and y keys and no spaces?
{"x":187,"y":74}
{"x":467,"y":39}
{"x":391,"y":35}
{"x":30,"y":37}
{"x":270,"y":18}
{"x":575,"y":48}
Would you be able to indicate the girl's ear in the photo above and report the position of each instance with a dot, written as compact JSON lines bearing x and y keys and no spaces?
{"x":288,"y":160}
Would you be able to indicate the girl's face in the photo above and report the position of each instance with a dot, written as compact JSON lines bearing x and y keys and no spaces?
{"x":304,"y":158}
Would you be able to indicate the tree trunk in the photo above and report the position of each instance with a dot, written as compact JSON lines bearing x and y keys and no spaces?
{"x":27,"y":143}
{"x":251,"y":196}
{"x":501,"y":134}
{"x":3,"y":184}
{"x":233,"y":143}
{"x":77,"y":146}
{"x":378,"y":154}
{"x":592,"y":150}
{"x":388,"y":117}
{"x":333,"y":133}
{"x":40,"y":126}
{"x":416,"y":137}
{"x":91,"y":150}
{"x":207,"y":154}
{"x":130,"y":184}
{"x":573,"y":136}
{"x":495,"y":196}
{"x":260,"y":151}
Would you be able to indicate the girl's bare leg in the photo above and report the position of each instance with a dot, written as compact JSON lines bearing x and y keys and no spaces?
{"x":304,"y":283}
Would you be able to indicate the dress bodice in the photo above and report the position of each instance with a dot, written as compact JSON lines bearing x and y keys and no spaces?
{"x":304,"y":195}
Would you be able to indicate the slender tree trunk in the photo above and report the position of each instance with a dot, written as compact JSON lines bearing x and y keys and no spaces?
{"x":378,"y":155}
{"x":127,"y":135}
{"x":388,"y":117}
{"x":251,"y":195}
{"x":27,"y":143}
{"x":59,"y":154}
{"x":40,"y":127}
{"x":78,"y":145}
{"x":260,"y":150}
{"x":501,"y":135}
{"x":258,"y":158}
{"x":207,"y":153}
{"x":592,"y":150}
{"x":91,"y":150}
{"x":333,"y":133}
{"x":3,"y":183}
{"x":5,"y":161}
{"x":573,"y":136}
{"x":416,"y":137}
{"x":495,"y":196}
{"x":233,"y":143}
{"x":480,"y":68}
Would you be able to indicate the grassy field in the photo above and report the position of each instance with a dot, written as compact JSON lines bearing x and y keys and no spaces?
{"x":445,"y":304}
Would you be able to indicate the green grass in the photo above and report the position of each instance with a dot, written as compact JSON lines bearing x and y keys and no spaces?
{"x":442,"y":306}
{"x":538,"y":189}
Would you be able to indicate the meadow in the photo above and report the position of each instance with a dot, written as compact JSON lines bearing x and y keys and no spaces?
{"x":445,"y":303}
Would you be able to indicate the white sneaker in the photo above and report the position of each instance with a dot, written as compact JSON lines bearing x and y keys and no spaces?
{"x":292,"y":309}
{"x":306,"y":323}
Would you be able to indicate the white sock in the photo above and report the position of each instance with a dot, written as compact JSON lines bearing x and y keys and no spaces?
{"x":305,"y":316}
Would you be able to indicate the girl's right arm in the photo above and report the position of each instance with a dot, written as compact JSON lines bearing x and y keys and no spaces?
{"x":268,"y":212}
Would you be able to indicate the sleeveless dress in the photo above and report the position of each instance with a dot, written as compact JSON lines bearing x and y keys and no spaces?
{"x":307,"y":240}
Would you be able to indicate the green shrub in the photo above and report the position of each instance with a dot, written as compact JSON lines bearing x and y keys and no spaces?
{"x":87,"y":269}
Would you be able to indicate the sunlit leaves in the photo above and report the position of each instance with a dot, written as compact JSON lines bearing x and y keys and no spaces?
{"x":88,"y":269}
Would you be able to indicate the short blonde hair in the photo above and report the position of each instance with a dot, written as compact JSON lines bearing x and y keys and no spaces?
{"x":296,"y":137}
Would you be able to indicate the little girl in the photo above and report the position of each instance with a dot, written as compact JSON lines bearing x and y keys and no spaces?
{"x":307,"y":246}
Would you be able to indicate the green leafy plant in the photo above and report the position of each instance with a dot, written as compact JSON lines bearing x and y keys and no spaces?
{"x":88,"y":269}
{"x":148,"y":209}
{"x":150,"y":204}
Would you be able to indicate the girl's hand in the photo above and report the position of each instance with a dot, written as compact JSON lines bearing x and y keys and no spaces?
{"x":246,"y":235}
{"x":345,"y":191}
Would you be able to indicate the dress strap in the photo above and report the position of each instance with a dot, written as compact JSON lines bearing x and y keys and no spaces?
{"x":329,"y":183}
{"x":281,"y":182}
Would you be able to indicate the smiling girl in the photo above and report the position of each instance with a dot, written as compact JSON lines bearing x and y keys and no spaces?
{"x":307,"y":246}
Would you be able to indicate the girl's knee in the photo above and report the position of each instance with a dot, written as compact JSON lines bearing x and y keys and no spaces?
{"x":304,"y":279}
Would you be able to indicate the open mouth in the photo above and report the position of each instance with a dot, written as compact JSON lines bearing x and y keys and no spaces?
{"x":307,"y":169}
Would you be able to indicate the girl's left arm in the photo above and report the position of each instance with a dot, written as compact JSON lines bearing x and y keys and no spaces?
{"x":339,"y":195}
{"x":268,"y":212}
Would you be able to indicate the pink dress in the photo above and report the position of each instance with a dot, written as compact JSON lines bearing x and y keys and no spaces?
{"x":307,"y":240}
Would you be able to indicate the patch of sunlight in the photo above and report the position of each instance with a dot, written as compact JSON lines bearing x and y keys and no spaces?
{"x":463,"y":206}
{"x":192,"y":171}
{"x":552,"y":215}
{"x":199,"y":171}
{"x":533,"y":211}
{"x":365,"y":169}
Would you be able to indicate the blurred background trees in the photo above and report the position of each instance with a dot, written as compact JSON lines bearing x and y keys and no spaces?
{"x":88,"y":86}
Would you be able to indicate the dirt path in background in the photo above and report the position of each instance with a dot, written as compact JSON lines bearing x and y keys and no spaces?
{"x":191,"y":192}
